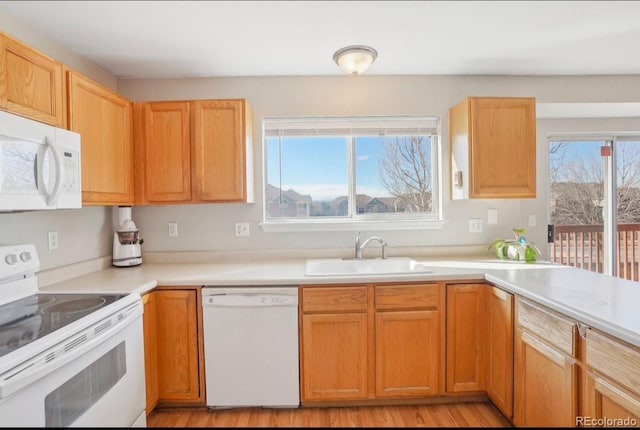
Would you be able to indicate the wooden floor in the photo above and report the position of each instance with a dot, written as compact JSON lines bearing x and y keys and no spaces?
{"x":450,"y":415}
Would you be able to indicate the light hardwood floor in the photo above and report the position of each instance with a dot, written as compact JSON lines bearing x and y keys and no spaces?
{"x":478,"y":414}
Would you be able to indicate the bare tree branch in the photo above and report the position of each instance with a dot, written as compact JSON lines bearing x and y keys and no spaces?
{"x":405,"y":171}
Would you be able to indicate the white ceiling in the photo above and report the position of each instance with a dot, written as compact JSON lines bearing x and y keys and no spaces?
{"x":165,"y":39}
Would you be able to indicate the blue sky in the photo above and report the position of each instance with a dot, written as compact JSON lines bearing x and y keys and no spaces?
{"x":320,"y":169}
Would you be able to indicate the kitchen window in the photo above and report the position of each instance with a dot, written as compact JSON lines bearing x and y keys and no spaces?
{"x":347,"y":173}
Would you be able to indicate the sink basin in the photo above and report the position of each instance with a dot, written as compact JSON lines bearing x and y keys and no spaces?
{"x":366,"y":266}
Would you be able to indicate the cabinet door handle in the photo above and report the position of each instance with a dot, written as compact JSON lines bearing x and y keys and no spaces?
{"x":582,"y":329}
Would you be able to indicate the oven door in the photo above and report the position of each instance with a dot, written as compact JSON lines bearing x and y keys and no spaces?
{"x":104,"y":386}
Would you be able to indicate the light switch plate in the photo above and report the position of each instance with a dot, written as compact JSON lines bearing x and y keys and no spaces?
{"x":532,"y":220}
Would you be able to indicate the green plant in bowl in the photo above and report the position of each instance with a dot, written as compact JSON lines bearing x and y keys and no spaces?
{"x":518,"y":248}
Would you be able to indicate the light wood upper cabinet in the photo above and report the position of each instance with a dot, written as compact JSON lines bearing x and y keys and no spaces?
{"x":493,"y":148}
{"x":103,"y":120}
{"x":162,"y":152}
{"x":31,"y":83}
{"x":222,"y":151}
{"x":193,"y":151}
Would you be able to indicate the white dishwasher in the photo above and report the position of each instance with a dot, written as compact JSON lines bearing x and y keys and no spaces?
{"x":251,"y":346}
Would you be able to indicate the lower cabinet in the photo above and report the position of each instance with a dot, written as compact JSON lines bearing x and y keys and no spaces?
{"x":479,"y":345}
{"x":335,"y":356}
{"x":609,"y":404}
{"x":334,"y":343}
{"x":499,"y":349}
{"x":150,"y":350}
{"x":178,"y":347}
{"x":407,"y":332}
{"x":612,"y":390}
{"x":465,"y":337}
{"x":546,"y":372}
{"x":366,"y":342}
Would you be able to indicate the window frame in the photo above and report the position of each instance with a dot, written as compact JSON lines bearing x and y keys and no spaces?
{"x":354,"y":221}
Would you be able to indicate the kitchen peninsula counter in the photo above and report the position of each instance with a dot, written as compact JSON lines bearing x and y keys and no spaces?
{"x":604,"y":302}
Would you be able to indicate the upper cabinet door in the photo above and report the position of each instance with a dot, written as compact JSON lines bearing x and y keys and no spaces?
{"x":30,"y":83}
{"x":222,"y":151}
{"x":163,"y":152}
{"x":103,"y":120}
{"x":493,"y":147}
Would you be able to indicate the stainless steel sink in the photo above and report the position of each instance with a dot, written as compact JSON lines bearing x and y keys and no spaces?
{"x":364,"y":266}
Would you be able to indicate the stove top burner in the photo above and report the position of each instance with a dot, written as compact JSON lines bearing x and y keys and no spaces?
{"x":32,"y":317}
{"x":77,"y":305}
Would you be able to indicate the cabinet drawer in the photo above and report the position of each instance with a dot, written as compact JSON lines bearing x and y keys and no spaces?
{"x":613,"y":358}
{"x":345,"y":299}
{"x":547,"y":325}
{"x":406,"y":296}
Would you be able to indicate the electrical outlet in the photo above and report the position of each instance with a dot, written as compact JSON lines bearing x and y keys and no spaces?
{"x":242,"y":229}
{"x":492,"y":216}
{"x":532,"y":220}
{"x":173,"y":229}
{"x":475,"y":226}
{"x":53,"y":239}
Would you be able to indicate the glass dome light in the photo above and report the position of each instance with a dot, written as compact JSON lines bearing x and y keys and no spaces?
{"x":355,"y":59}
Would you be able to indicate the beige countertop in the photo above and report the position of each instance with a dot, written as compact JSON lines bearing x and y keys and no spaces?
{"x":604,"y":302}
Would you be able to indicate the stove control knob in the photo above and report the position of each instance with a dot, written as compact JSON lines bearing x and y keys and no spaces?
{"x":11,"y":259}
{"x":25,"y":256}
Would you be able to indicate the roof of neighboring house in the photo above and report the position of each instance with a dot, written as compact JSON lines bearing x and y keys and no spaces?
{"x":273,"y":193}
{"x":361,"y":200}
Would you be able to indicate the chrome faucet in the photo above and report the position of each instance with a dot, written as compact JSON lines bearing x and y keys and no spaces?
{"x":361,"y":246}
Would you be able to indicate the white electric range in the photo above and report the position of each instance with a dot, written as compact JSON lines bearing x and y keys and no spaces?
{"x":67,"y":359}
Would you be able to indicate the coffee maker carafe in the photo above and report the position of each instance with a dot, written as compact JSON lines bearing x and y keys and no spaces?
{"x":126,"y":241}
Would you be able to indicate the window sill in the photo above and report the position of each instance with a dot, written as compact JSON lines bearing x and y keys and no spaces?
{"x":379,"y":225}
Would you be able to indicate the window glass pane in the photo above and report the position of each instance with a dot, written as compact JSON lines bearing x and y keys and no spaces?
{"x":576,"y":178}
{"x":393,"y":174}
{"x":306,"y":177}
{"x":628,"y":208}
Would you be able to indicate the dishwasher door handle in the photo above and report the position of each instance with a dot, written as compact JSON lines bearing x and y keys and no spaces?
{"x":250,"y":300}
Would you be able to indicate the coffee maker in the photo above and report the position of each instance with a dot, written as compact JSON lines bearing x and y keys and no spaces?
{"x":126,"y":240}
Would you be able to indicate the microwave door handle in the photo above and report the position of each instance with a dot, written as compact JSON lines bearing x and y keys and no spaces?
{"x":52,"y":197}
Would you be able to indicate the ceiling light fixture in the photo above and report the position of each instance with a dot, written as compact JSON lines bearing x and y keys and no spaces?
{"x":355,"y":59}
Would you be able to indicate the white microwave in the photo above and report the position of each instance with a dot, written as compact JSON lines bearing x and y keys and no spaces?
{"x":39,"y":166}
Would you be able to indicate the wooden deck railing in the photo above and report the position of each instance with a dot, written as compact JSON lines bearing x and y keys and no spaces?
{"x":581,"y":246}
